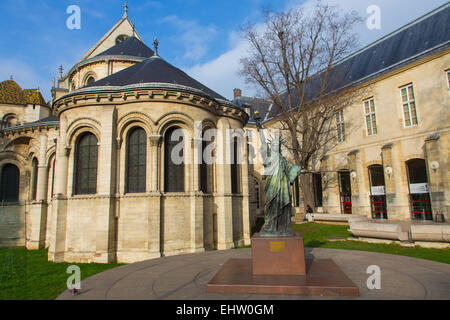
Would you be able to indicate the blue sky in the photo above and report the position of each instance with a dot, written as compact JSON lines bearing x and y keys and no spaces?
{"x":199,"y":36}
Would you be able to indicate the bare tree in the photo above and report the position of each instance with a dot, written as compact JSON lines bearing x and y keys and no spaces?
{"x":293,"y":60}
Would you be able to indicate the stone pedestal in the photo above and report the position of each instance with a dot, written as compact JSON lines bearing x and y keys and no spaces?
{"x":278,"y":256}
{"x":278,"y":266}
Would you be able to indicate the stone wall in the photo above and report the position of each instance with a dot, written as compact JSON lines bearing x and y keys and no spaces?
{"x":12,"y":225}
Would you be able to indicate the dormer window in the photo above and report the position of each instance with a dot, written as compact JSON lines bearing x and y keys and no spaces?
{"x":121,"y":38}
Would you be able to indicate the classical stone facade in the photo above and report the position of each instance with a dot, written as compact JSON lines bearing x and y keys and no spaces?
{"x":392,"y":160}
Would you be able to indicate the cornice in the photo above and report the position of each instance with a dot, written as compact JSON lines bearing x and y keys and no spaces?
{"x":98,"y":59}
{"x":30,"y":127}
{"x":148,"y":92}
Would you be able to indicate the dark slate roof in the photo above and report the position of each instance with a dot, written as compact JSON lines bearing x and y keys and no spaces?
{"x":418,"y":37}
{"x":153,"y":70}
{"x":255,"y":104}
{"x":51,"y":118}
{"x":130,"y":47}
{"x":416,"y":40}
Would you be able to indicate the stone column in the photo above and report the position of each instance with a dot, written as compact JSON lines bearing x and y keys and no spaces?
{"x":437,"y":175}
{"x":154,"y":214}
{"x":196,"y":199}
{"x":37,"y":218}
{"x":330,"y":187}
{"x":354,"y":178}
{"x":396,"y":181}
{"x":247,"y":223}
{"x":58,"y":243}
{"x":106,"y":182}
{"x":155,"y":141}
{"x":42,"y":171}
{"x":223,"y":197}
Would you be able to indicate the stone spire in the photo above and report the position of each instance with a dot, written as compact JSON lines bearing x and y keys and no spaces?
{"x":125,"y":9}
{"x":61,"y":69}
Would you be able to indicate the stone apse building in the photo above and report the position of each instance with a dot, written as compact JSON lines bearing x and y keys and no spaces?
{"x":88,"y":175}
{"x":95,"y":175}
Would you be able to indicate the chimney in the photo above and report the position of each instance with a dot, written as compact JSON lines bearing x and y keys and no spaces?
{"x":237,"y":93}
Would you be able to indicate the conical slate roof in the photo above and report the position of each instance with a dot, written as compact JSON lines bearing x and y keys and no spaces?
{"x":130,"y":47}
{"x":153,"y":70}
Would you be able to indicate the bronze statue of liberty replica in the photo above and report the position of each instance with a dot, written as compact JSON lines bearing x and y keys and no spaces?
{"x":278,"y":176}
{"x":278,"y":263}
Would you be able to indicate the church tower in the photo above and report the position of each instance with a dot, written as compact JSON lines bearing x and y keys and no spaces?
{"x":120,"y":48}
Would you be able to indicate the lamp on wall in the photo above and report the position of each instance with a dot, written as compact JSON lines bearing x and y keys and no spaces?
{"x":434,"y":165}
{"x":353,"y":175}
{"x":388,"y":171}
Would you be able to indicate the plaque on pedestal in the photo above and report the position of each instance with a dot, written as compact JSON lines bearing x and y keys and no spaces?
{"x":278,"y":256}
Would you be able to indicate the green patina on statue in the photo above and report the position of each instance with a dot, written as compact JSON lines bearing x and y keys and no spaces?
{"x":278,"y":176}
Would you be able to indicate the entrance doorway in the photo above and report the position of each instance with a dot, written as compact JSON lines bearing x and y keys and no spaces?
{"x":419,"y":196}
{"x":377,"y":192}
{"x":345,"y":192}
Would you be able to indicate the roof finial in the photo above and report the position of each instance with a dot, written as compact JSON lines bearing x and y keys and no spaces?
{"x":155,"y":45}
{"x":125,"y":8}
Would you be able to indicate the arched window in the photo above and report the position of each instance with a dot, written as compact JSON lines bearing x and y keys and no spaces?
{"x":206,"y":167}
{"x":173,"y":170}
{"x":136,"y":160}
{"x":35,"y":164}
{"x":53,"y":178}
{"x":10,"y":120}
{"x":90,"y":80}
{"x":235,"y":168}
{"x":9,"y":189}
{"x":86,"y":158}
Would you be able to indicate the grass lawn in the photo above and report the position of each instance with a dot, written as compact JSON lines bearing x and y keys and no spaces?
{"x":27,"y":275}
{"x":315,"y":236}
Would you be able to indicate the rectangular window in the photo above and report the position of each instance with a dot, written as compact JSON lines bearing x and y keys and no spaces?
{"x":317,"y":182}
{"x":448,"y":79}
{"x":409,"y":105}
{"x":371,"y":121}
{"x":340,"y":126}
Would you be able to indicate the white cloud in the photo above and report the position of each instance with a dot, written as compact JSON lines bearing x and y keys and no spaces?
{"x":194,"y":37}
{"x":220,"y":74}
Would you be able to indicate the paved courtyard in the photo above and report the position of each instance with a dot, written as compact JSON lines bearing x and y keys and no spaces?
{"x":185,"y":277}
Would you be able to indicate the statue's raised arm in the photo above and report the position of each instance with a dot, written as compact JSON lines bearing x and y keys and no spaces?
{"x":263,"y":149}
